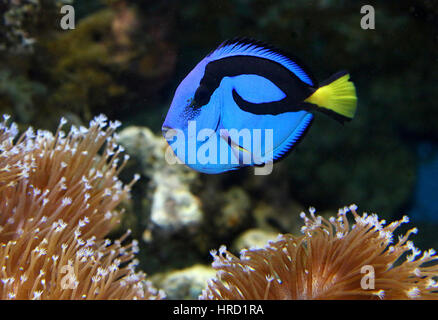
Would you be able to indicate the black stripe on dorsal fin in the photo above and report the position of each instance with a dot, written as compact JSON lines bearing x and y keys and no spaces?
{"x":249,"y":46}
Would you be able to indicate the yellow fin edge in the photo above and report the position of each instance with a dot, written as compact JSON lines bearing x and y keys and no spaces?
{"x":338,"y":96}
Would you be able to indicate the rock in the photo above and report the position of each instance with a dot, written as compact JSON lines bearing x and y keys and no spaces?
{"x":173,"y":206}
{"x":234,"y":212}
{"x":253,"y":238}
{"x":184,"y":284}
{"x":277,"y":219}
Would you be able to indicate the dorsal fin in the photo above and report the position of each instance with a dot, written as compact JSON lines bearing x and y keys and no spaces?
{"x":249,"y":47}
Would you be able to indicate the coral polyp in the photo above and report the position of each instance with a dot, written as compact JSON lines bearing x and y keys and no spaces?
{"x":58,"y":199}
{"x":333,"y":259}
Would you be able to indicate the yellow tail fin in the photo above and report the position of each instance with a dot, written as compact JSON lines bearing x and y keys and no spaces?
{"x":338,"y":96}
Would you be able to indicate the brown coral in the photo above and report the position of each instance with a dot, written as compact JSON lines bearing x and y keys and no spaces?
{"x":332,"y":260}
{"x":57,"y":203}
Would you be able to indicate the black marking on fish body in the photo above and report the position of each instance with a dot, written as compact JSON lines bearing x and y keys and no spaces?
{"x":272,"y":108}
{"x":295,"y":89}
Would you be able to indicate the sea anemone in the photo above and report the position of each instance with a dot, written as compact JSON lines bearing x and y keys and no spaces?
{"x":332,"y":260}
{"x":58,"y":200}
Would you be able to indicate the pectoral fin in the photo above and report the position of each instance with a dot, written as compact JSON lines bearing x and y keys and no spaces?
{"x":243,"y":155}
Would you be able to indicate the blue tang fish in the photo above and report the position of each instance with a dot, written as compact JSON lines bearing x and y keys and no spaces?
{"x":248,"y":104}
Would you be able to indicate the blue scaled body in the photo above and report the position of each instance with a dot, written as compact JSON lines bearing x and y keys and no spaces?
{"x":247,"y":104}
